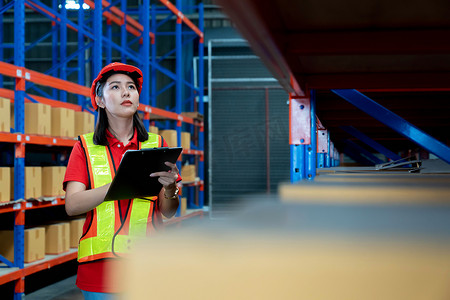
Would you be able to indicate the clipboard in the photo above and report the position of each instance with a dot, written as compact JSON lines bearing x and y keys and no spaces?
{"x":133,"y":179}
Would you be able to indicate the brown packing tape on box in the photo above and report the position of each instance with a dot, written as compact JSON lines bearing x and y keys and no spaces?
{"x":5,"y":184}
{"x":38,"y":119}
{"x":34,"y":244}
{"x":63,"y":122}
{"x":33,"y":182}
{"x":76,"y":230}
{"x":57,"y":238}
{"x":52,"y":180}
{"x":5,"y":115}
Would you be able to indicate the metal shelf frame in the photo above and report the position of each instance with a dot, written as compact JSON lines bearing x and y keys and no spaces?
{"x":94,"y":27}
{"x":310,"y":144}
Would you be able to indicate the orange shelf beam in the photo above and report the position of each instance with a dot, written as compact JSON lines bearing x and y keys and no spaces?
{"x":38,"y":266}
{"x":47,"y":264}
{"x":192,"y":152}
{"x":47,"y":80}
{"x":42,"y":79}
{"x":6,"y":93}
{"x":28,"y":205}
{"x":196,"y":183}
{"x":42,"y":204}
{"x":36,"y":139}
{"x":168,"y":114}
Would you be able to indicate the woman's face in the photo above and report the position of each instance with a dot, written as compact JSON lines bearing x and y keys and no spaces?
{"x":120,"y":96}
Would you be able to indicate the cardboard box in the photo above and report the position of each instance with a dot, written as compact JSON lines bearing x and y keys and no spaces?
{"x":284,"y":264}
{"x":188,"y":173}
{"x":33,"y":182}
{"x":5,"y":115}
{"x":76,"y":230}
{"x":57,"y":238}
{"x":34,"y":244}
{"x":63,"y":122}
{"x":5,"y":184}
{"x":183,"y":206}
{"x":84,"y":123}
{"x":38,"y":118}
{"x":153,"y":129}
{"x":186,"y":140}
{"x":170,"y":136}
{"x":193,"y":115}
{"x":52,"y":181}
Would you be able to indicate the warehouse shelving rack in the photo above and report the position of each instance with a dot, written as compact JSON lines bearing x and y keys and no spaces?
{"x":362,"y":57}
{"x":310,"y":142}
{"x":55,"y":78}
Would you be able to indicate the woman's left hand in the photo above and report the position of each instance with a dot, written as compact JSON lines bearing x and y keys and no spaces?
{"x":168,"y":178}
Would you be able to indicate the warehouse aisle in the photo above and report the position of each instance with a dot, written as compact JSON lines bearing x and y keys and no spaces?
{"x":62,"y":290}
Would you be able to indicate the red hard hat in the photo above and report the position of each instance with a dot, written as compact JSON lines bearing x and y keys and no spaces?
{"x":117,"y":67}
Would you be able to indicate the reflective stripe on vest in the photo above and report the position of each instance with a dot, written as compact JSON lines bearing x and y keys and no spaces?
{"x":108,"y":235}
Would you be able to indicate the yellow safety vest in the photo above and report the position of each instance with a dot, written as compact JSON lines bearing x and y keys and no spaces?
{"x":112,"y":232}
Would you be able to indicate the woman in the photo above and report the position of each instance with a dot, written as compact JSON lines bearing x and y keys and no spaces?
{"x":112,"y":226}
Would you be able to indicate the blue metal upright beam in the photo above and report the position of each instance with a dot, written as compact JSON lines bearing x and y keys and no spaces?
{"x":299,"y":136}
{"x":63,"y":49}
{"x":153,"y":58}
{"x":55,"y":27}
{"x":97,"y":60}
{"x":201,"y":142}
{"x":311,"y":150}
{"x":328,"y":154}
{"x":19,"y":120}
{"x":81,"y":60}
{"x":320,"y":160}
{"x":298,"y":166}
{"x":367,"y":140}
{"x":108,"y":50}
{"x":179,"y":78}
{"x":145,"y":94}
{"x":395,"y":122}
{"x":123,"y":32}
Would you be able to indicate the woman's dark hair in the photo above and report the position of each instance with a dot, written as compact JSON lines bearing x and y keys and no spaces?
{"x":102,"y":121}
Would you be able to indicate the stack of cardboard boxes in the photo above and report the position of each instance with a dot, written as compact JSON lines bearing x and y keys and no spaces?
{"x":40,"y":181}
{"x":42,"y":119}
{"x":38,"y":241}
{"x":170,"y":136}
